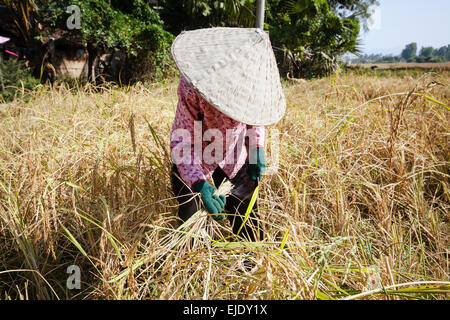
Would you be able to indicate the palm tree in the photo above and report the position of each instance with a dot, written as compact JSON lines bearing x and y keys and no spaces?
{"x":25,"y":17}
{"x":189,"y":14}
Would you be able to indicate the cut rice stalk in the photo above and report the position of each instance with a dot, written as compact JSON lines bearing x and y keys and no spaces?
{"x":198,"y":230}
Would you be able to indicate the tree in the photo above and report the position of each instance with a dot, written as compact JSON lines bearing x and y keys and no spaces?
{"x":130,"y":26}
{"x":426,"y":52}
{"x":409,"y":52}
{"x":25,"y":18}
{"x":353,"y":8}
{"x":308,"y":37}
{"x":181,"y":15}
{"x":443,"y":52}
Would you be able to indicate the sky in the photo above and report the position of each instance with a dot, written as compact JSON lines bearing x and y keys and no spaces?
{"x":396,"y":23}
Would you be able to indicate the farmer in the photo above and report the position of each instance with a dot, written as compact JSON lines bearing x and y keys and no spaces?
{"x":228,"y":91}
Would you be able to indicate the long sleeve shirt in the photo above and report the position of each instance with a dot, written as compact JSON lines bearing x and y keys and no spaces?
{"x":203,"y":138}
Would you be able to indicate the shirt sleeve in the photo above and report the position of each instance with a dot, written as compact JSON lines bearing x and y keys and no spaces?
{"x":187,"y":112}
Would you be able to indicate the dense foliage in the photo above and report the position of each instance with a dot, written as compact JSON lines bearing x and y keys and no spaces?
{"x":308,"y":36}
{"x":130,"y":25}
{"x":181,"y":15}
{"x":15,"y":79}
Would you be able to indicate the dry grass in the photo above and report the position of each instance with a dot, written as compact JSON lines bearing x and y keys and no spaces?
{"x":359,"y":207}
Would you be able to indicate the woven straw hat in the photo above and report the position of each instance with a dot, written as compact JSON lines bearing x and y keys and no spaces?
{"x":234,"y":69}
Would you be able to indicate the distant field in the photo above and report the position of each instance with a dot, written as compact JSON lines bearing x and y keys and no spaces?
{"x":413,"y":65}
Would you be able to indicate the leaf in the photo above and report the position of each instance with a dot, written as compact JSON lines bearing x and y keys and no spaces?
{"x":74,"y":186}
{"x":296,"y":6}
{"x":239,"y":244}
{"x":249,"y":209}
{"x":127,"y":271}
{"x":322,"y":296}
{"x":419,"y":286}
{"x":283,"y":242}
{"x":157,"y":140}
{"x":75,"y":242}
{"x":425,"y":289}
{"x":434,"y":100}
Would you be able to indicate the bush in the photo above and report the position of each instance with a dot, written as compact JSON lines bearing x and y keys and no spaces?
{"x":15,"y":79}
{"x":130,"y":26}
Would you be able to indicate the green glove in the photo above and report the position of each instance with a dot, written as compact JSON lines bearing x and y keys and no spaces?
{"x":257,"y":163}
{"x":214,"y":204}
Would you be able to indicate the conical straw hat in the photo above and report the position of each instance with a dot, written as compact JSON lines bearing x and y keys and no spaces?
{"x":234,"y":69}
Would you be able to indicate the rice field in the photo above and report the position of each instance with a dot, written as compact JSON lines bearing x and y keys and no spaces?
{"x":358,"y":208}
{"x":429,"y":66}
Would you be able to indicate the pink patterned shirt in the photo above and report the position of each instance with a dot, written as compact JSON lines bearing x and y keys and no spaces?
{"x":203,"y":138}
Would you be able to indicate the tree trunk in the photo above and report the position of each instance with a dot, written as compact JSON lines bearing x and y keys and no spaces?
{"x":93,"y":60}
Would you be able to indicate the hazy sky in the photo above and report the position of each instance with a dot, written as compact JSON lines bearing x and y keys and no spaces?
{"x":399,"y":22}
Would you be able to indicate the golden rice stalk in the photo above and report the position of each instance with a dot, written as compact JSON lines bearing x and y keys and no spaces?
{"x":197,"y":231}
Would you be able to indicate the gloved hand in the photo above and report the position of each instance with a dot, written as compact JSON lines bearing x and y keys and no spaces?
{"x":257,"y":163}
{"x":214,"y":204}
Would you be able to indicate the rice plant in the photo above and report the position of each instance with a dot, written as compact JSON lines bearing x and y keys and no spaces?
{"x":358,"y":208}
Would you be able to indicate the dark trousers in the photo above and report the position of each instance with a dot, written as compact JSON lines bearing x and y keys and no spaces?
{"x":236,"y":204}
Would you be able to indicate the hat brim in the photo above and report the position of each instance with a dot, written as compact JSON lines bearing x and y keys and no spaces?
{"x":233,"y":69}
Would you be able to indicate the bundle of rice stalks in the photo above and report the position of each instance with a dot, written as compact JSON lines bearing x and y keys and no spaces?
{"x":198,"y":230}
{"x":193,"y":237}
